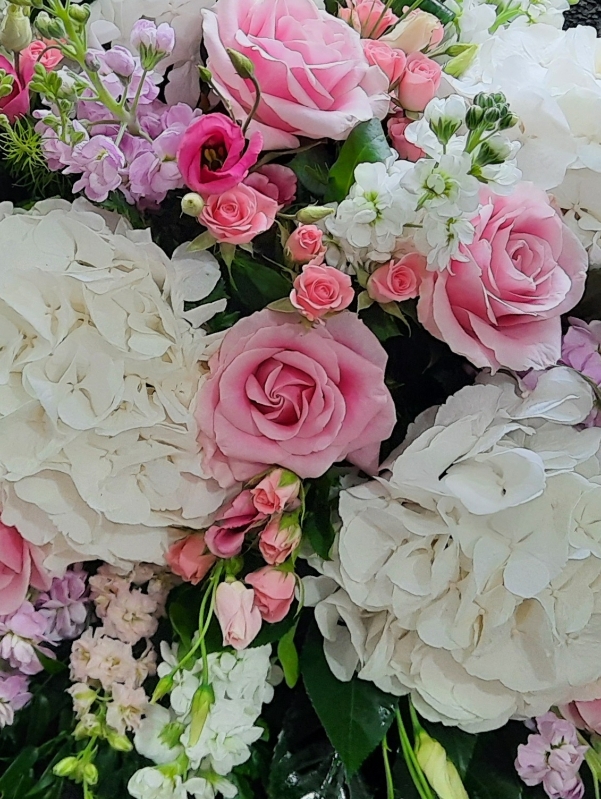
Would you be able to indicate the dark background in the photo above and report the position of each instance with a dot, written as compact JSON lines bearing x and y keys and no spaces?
{"x":586,"y":12}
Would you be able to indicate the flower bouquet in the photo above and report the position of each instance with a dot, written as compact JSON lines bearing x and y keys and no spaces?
{"x":300,"y":400}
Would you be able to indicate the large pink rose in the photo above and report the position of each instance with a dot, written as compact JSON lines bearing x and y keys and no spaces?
{"x":501,"y":306}
{"x":20,"y":567}
{"x":315,"y":80}
{"x":282,"y":393}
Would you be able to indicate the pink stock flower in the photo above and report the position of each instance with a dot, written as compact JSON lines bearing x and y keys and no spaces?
{"x":370,"y":18}
{"x":396,"y":130}
{"x":190,"y":559}
{"x":214,"y":155}
{"x":321,"y":290}
{"x":584,"y":715}
{"x":13,"y":696}
{"x":391,"y":62}
{"x":552,"y":757}
{"x":302,"y":398}
{"x":40,"y":51}
{"x":149,"y":35}
{"x":226,"y":536}
{"x":16,"y":104}
{"x":281,"y":536}
{"x":154,"y":172}
{"x":315,"y":80}
{"x":397,"y":281}
{"x":21,"y":566}
{"x":276,"y":492}
{"x":419,"y":83}
{"x":125,"y":710}
{"x":101,"y":163}
{"x":104,"y":660}
{"x":419,"y":30}
{"x":501,"y":306}
{"x":305,"y":244}
{"x":238,"y":616}
{"x":131,"y":617}
{"x":21,"y":633}
{"x":275,"y":181}
{"x":237,"y":216}
{"x":274,"y":592}
{"x":64,"y":606}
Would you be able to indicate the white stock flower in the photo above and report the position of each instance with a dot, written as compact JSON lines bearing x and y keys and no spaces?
{"x":149,"y":740}
{"x":150,"y":783}
{"x":470,"y":576}
{"x":98,"y":379}
{"x":210,"y":786}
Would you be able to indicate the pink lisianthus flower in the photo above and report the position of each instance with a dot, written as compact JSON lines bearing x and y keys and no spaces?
{"x":16,"y":104}
{"x":238,"y":215}
{"x":321,"y":290}
{"x":190,"y":558}
{"x":370,"y":18}
{"x":274,"y":592}
{"x":21,"y":566}
{"x":226,"y":537}
{"x":214,"y":155}
{"x":238,"y":615}
{"x":13,"y":696}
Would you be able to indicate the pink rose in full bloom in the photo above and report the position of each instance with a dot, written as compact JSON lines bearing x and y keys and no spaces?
{"x":419,"y":30}
{"x":419,"y":83}
{"x":190,"y":559}
{"x":41,"y":51}
{"x":214,"y":155}
{"x":305,"y":244}
{"x":276,"y":492}
{"x":370,"y":18}
{"x":275,"y":181}
{"x":315,"y":80}
{"x":302,"y":398}
{"x":321,"y":290}
{"x":391,"y":62}
{"x":396,"y":130}
{"x":274,"y":592}
{"x":238,"y":615}
{"x":280,"y":537}
{"x":501,"y":306}
{"x":20,"y":567}
{"x":16,"y":104}
{"x":226,"y":537}
{"x":397,"y":281}
{"x":584,"y":715}
{"x":238,"y":215}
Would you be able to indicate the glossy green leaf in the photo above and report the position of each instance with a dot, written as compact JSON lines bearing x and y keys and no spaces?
{"x":288,"y":657}
{"x":256,"y":285}
{"x":366,"y":144}
{"x":317,"y":524}
{"x":311,"y":169}
{"x":270,"y":633}
{"x":355,"y":715}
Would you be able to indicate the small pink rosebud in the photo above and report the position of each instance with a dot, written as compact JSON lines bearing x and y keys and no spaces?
{"x":397,"y":281}
{"x":396,"y":130}
{"x":419,"y":83}
{"x":392,"y":62}
{"x":370,"y":18}
{"x":305,"y":244}
{"x":237,"y":613}
{"x":280,"y":538}
{"x":226,"y":537}
{"x":276,"y":492}
{"x":274,"y":592}
{"x":190,"y":559}
{"x":321,"y":290}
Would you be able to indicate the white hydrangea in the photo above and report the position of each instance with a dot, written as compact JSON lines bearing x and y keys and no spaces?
{"x":477,"y":19}
{"x":98,"y":378}
{"x":471,"y":576}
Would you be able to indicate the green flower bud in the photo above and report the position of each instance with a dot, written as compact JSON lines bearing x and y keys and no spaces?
{"x":439,"y":770}
{"x":80,"y":13}
{"x":163,"y":688}
{"x":50,"y":28}
{"x":243,"y":65}
{"x":16,"y":32}
{"x":508,"y":121}
{"x":313,"y":213}
{"x":499,"y":98}
{"x":67,"y":767}
{"x":206,"y":75}
{"x":192,"y":204}
{"x":90,"y":774}
{"x":473,"y":118}
{"x":171,"y":733}
{"x":491,"y":117}
{"x":202,"y":701}
{"x":120,"y":743}
{"x":6,"y":83}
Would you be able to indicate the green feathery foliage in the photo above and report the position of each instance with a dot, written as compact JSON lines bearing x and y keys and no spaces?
{"x":21,"y":151}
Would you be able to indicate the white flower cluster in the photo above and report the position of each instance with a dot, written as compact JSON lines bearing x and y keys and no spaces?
{"x":240,"y":683}
{"x":98,"y":378}
{"x":552,"y":80}
{"x":477,"y":20}
{"x":471,"y":576}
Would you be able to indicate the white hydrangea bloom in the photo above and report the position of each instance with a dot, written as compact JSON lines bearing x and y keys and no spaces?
{"x":477,"y":19}
{"x":470,"y":577}
{"x":98,"y":379}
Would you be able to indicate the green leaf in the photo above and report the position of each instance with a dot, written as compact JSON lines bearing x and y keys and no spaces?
{"x":355,"y":715}
{"x":270,"y":633}
{"x":436,"y":7}
{"x":366,"y":144}
{"x":317,"y":524}
{"x":19,"y":771}
{"x":49,"y":664}
{"x":311,"y":168}
{"x":288,"y":657}
{"x":256,"y":285}
{"x":382,"y":324}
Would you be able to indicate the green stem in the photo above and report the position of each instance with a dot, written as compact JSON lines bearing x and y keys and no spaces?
{"x":203,"y":623}
{"x":387,"y":770}
{"x":255,"y":107}
{"x":417,"y":775}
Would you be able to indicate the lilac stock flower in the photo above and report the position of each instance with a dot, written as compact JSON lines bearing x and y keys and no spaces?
{"x":100,"y":161}
{"x":64,"y":606}
{"x":13,"y":696}
{"x":552,"y":757}
{"x":153,"y":173}
{"x":21,"y":633}
{"x":120,"y":61}
{"x":145,"y":34}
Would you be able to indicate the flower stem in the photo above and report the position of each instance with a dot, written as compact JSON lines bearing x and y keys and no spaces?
{"x":255,"y":107}
{"x":415,"y":770}
{"x":388,"y":772}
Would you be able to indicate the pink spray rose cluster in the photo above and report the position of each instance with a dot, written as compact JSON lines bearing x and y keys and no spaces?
{"x":552,"y":757}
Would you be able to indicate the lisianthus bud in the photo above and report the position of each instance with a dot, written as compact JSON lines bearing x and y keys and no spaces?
{"x":90,"y":773}
{"x":164,"y":687}
{"x":192,"y":204}
{"x":16,"y":32}
{"x":202,"y":701}
{"x":205,"y":74}
{"x":440,"y":772}
{"x":66,"y":767}
{"x":120,"y":743}
{"x":6,"y":83}
{"x":313,"y":213}
{"x":243,"y":65}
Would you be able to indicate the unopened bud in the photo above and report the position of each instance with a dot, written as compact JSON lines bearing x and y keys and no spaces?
{"x":16,"y":32}
{"x":202,"y":702}
{"x":66,"y":767}
{"x":192,"y":204}
{"x":313,"y":213}
{"x":508,"y":121}
{"x":491,"y":117}
{"x":243,"y":65}
{"x":206,"y":75}
{"x":90,"y":774}
{"x":89,"y":727}
{"x":120,"y":743}
{"x":171,"y":733}
{"x":473,"y":118}
{"x":439,"y":770}
{"x":50,"y":28}
{"x":164,"y":687}
{"x":6,"y":83}
{"x":79,"y":13}
{"x":92,"y":62}
{"x":458,"y":65}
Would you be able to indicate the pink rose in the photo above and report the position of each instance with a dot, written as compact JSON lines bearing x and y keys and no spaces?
{"x":238,"y":615}
{"x":419,"y":30}
{"x":315,"y":80}
{"x":38,"y":53}
{"x":238,"y":215}
{"x":213,"y":156}
{"x":16,"y":104}
{"x":190,"y":559}
{"x":226,"y":537}
{"x":397,"y":281}
{"x":274,"y":592}
{"x":391,"y":62}
{"x":321,"y":290}
{"x":420,"y":82}
{"x":502,"y":305}
{"x":280,"y":538}
{"x":276,"y":492}
{"x":396,"y":130}
{"x":584,"y":715}
{"x":370,"y":18}
{"x":275,"y":181}
{"x":21,"y":566}
{"x":303,"y":398}
{"x":305,"y":244}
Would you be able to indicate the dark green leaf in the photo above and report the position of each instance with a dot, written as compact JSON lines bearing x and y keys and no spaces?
{"x":49,"y":664}
{"x":383,"y":325}
{"x":436,"y":7}
{"x":356,"y":715}
{"x":183,"y":613}
{"x":18,"y":773}
{"x":366,"y":143}
{"x":311,"y":168}
{"x":254,"y":284}
{"x":588,"y":307}
{"x":288,"y":657}
{"x":317,"y":524}
{"x":270,"y":633}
